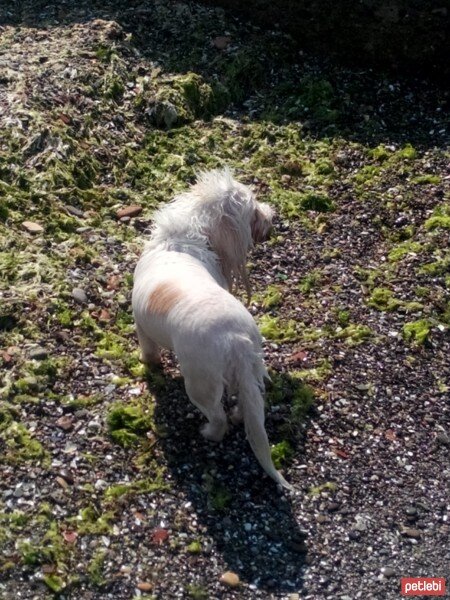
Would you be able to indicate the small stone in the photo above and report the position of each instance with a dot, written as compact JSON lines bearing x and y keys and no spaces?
{"x":410,"y":532}
{"x":65,"y":423}
{"x":230,"y":579}
{"x":62,"y":482}
{"x":354,"y":535}
{"x":100,"y":484}
{"x":388,"y":572}
{"x":67,"y":476}
{"x":94,"y":425}
{"x":32,"y":227}
{"x":163,"y":114}
{"x":221,"y":42}
{"x":73,"y":210}
{"x":129,"y":211}
{"x":38,"y":353}
{"x":81,"y":413}
{"x":411,"y":511}
{"x":144,"y":586}
{"x":322,"y":518}
{"x":79,"y":295}
{"x":443,"y":438}
{"x":294,"y":596}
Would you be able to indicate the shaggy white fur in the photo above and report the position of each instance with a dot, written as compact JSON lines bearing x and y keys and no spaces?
{"x":182,"y":301}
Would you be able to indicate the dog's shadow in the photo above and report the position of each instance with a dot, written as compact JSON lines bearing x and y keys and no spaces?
{"x":240,"y":512}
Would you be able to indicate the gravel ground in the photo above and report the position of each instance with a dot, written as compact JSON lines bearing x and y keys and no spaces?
{"x":107,"y":490}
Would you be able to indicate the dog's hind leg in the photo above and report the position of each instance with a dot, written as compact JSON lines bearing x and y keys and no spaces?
{"x":206,"y":395}
{"x":150,"y":354}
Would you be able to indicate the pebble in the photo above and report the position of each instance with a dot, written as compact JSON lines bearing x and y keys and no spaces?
{"x":79,"y":295}
{"x":411,"y":511}
{"x":73,"y":210}
{"x":129,"y":211}
{"x":38,"y":353}
{"x":221,"y":42}
{"x":32,"y":227}
{"x":230,"y":579}
{"x":65,"y":423}
{"x":100,"y":484}
{"x":67,"y":475}
{"x":144,"y":586}
{"x":443,"y":438}
{"x":388,"y":572}
{"x":411,"y":532}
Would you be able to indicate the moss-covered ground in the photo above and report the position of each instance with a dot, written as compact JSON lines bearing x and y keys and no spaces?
{"x":106,"y":487}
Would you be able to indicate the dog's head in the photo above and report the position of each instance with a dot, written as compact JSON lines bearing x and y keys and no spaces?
{"x":261,"y":222}
{"x":235,"y":220}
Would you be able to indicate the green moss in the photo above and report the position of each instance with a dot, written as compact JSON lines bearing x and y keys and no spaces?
{"x":197,"y":592}
{"x":319,"y":373}
{"x":403,"y":249}
{"x":408,"y":152}
{"x":354,"y":334}
{"x":96,"y":568}
{"x":127,"y":424}
{"x":115,"y":88}
{"x":282,"y":454}
{"x":380,"y":153}
{"x":271,"y":297}
{"x":368,"y":276}
{"x":143,"y":486}
{"x":438,"y":221}
{"x":417,"y":332}
{"x":383,"y":299}
{"x":90,"y":522}
{"x":436,"y":268}
{"x":294,"y":204}
{"x":309,"y":282}
{"x":194,"y":547}
{"x":324,"y":487}
{"x":426,"y":179}
{"x":288,"y":389}
{"x":316,"y":202}
{"x":366,"y":174}
{"x":53,"y":582}
{"x":203,"y":99}
{"x":21,"y":446}
{"x":219,"y":497}
{"x":273,"y":328}
{"x":343,"y":317}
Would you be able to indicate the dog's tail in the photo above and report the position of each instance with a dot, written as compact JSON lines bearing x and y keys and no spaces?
{"x":250,"y":372}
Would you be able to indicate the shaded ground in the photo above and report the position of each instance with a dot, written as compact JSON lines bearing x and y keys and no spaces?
{"x":107,"y":490}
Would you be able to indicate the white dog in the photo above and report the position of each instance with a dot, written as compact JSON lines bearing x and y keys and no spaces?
{"x":181,"y":301}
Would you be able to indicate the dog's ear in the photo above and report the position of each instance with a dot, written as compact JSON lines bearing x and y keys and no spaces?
{"x":231,"y":240}
{"x":261,"y":222}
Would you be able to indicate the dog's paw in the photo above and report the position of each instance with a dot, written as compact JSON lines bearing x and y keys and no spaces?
{"x":213,"y":433}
